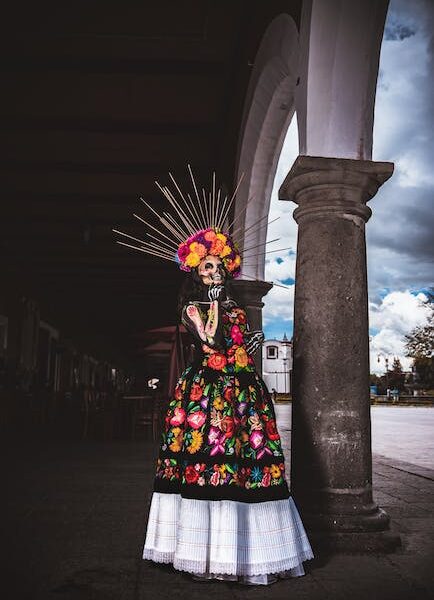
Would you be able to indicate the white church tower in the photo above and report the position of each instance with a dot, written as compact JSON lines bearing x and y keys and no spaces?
{"x":277,"y":364}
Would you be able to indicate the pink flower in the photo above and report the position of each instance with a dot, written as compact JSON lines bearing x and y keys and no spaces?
{"x":263,"y":451}
{"x":219,"y":447}
{"x":266,"y":478}
{"x":214,"y":434}
{"x":256,"y":439}
{"x":236,"y":335}
{"x":196,"y":419}
{"x":183,"y":252}
{"x":178,"y":416}
{"x":215,"y":478}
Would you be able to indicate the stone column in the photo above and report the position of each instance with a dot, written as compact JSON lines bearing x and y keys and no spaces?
{"x":331,"y":458}
{"x":250,"y":294}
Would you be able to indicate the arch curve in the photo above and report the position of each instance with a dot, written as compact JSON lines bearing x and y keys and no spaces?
{"x":268,"y":110}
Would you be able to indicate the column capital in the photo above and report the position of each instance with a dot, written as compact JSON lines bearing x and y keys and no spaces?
{"x":340,"y":186}
{"x":250,"y":293}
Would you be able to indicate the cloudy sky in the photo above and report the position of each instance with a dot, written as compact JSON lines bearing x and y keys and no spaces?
{"x":400,"y":231}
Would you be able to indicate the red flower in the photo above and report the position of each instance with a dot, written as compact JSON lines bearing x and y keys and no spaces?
{"x":196,"y":392}
{"x":270,"y":428}
{"x":217,"y":361}
{"x":178,"y":393}
{"x":228,"y":426}
{"x":191,"y":475}
{"x":228,"y":393}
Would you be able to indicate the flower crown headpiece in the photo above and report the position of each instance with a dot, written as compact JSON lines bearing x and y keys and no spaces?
{"x":209,"y":242}
{"x":194,"y":231}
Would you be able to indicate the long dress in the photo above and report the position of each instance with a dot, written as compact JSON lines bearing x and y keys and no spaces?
{"x":221,"y":506}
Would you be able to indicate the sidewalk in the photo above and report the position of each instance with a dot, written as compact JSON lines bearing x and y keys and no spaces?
{"x":75,"y":517}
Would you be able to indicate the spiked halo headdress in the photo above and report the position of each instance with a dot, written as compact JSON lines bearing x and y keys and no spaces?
{"x":194,"y":226}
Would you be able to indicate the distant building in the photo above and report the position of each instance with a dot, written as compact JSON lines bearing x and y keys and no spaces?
{"x":277,"y":364}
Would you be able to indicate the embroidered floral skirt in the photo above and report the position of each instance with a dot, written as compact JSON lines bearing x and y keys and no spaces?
{"x":221,"y":503}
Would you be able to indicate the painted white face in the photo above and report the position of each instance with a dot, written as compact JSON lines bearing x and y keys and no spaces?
{"x":211,"y":270}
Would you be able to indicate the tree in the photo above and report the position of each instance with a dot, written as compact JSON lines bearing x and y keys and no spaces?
{"x":420,"y":346}
{"x":396,"y":375}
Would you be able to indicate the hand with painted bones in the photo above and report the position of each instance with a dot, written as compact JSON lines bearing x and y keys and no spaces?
{"x":253,"y":340}
{"x":215,"y":292}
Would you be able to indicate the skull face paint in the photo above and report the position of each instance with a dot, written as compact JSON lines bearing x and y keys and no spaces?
{"x":211,"y":270}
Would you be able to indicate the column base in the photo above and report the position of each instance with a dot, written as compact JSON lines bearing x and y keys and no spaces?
{"x":358,"y":533}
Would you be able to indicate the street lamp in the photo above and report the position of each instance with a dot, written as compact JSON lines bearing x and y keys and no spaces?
{"x":284,"y":358}
{"x":386,"y":361}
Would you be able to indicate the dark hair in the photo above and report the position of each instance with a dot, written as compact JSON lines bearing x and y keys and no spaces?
{"x":193,"y":290}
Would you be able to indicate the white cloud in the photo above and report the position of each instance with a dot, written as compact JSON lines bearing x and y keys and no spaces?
{"x":280,"y":306}
{"x":399,"y":235}
{"x":396,"y":315}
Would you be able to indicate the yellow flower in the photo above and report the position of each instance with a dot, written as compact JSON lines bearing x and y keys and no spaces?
{"x":222,"y":469}
{"x":218,"y":403}
{"x":176,"y":444}
{"x":192,"y":260}
{"x":226,"y":250}
{"x":275,"y":471}
{"x":222,"y":237}
{"x":241,"y":358}
{"x":196,"y":442}
{"x":198,"y":249}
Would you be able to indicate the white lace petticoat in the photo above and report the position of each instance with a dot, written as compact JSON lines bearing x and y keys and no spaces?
{"x":225,"y":537}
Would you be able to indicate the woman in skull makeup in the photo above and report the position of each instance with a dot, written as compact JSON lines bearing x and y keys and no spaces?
{"x":221,"y":507}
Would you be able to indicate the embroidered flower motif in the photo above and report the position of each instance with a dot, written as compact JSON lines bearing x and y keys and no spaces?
{"x":218,"y":445}
{"x":275,"y":471}
{"x":178,"y":416}
{"x":228,"y":426}
{"x":196,"y":442}
{"x":218,"y":403}
{"x":196,"y":392}
{"x":256,"y":474}
{"x":236,"y":335}
{"x":176,"y":444}
{"x":217,"y":361}
{"x":196,"y":419}
{"x":271,"y":430}
{"x":191,"y":475}
{"x":266,"y":478}
{"x":255,"y":422}
{"x":215,"y":478}
{"x":256,"y":439}
{"x":241,"y":357}
{"x":216,"y":418}
{"x":213,"y":434}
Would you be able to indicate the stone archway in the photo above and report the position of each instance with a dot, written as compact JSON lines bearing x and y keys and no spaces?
{"x":331,"y":181}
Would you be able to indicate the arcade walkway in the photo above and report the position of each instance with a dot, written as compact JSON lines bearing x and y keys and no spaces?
{"x":75,"y":516}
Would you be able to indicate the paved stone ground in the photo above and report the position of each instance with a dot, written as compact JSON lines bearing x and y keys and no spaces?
{"x":405,"y":433}
{"x":75,"y":516}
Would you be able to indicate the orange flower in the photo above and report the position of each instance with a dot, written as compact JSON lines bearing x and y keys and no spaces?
{"x":217,"y":246}
{"x":196,"y":392}
{"x":198,"y":249}
{"x":210,"y":235}
{"x":217,"y":361}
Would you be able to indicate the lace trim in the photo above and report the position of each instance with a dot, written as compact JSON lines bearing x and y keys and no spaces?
{"x":197,"y":567}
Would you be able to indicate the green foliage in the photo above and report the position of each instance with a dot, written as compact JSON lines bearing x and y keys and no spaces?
{"x":420,"y":346}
